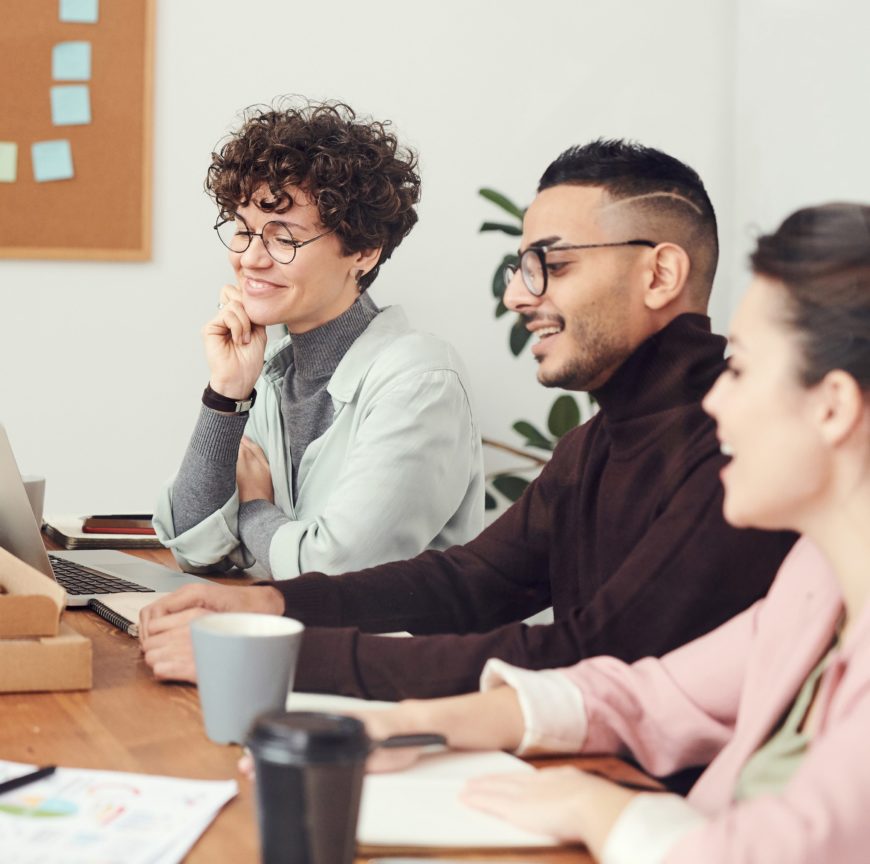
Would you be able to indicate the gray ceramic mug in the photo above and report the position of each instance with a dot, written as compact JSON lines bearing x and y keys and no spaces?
{"x":35,"y":488}
{"x":245,"y":664}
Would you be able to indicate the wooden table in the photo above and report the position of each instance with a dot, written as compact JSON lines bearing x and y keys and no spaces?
{"x":130,"y":722}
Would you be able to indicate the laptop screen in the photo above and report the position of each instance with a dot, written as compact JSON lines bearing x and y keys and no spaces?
{"x":19,"y":533}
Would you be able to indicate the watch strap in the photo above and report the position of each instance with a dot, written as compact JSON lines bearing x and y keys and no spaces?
{"x":217,"y":402}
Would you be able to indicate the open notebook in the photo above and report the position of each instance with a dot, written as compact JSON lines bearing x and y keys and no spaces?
{"x":419,"y":808}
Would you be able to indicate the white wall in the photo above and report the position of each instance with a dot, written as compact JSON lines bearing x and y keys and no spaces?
{"x":489,"y":92}
{"x":802,"y":122}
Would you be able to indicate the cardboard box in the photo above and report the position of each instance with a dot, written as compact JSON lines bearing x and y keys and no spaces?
{"x":61,"y":662}
{"x":30,"y":603}
{"x":37,"y":650}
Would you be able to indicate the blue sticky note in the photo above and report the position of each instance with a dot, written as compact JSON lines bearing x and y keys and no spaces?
{"x":52,"y":160}
{"x":71,"y":61}
{"x":8,"y":161}
{"x":70,"y":105}
{"x":79,"y":11}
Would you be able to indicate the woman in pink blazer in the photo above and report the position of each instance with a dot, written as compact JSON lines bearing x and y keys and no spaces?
{"x":777,"y":701}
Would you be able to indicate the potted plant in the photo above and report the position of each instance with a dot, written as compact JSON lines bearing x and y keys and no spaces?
{"x":564,"y":413}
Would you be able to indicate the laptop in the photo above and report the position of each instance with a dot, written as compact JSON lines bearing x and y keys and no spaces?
{"x":85,"y":574}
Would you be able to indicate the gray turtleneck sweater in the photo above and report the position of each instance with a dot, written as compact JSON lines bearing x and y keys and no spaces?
{"x":207,"y":477}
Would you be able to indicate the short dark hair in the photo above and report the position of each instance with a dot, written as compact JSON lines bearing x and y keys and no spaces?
{"x":625,"y":170}
{"x":365,"y":185}
{"x":821,"y":256}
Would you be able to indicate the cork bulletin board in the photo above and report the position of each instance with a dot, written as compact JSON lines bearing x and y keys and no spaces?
{"x":75,"y":128}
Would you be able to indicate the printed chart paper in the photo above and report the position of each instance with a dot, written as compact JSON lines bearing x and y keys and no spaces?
{"x":78,"y":816}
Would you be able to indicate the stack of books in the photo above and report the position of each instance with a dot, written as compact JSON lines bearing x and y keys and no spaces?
{"x":83,"y":532}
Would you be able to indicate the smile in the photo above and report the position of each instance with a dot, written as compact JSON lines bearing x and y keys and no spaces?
{"x":544,"y":332}
{"x":258,"y":287}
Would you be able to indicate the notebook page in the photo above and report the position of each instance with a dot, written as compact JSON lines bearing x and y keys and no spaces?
{"x":419,"y":808}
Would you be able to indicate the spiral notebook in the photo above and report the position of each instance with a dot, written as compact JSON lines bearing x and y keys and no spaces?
{"x":123,"y":609}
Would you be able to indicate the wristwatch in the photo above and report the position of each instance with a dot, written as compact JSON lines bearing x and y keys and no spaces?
{"x":223,"y":403}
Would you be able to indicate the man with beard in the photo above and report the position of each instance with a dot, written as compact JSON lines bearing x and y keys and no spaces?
{"x":622,"y":532}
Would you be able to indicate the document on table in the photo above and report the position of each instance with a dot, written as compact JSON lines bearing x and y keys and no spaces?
{"x":419,"y":808}
{"x":327,"y":704}
{"x":79,"y":816}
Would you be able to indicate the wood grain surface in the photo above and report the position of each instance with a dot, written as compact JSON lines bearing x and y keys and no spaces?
{"x":130,"y":722}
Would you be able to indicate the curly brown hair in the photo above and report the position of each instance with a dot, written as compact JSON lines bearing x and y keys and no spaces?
{"x":365,"y":185}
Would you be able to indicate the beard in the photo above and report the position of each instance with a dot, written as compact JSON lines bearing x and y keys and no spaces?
{"x":597,"y":349}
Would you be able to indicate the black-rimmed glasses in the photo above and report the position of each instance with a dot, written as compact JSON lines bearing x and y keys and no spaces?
{"x":532,"y":263}
{"x":279,"y":242}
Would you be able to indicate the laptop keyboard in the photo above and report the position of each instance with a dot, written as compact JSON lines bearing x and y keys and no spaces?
{"x":82,"y":580}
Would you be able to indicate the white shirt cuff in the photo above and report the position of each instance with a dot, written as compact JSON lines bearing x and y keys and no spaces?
{"x":648,"y":828}
{"x":553,"y":710}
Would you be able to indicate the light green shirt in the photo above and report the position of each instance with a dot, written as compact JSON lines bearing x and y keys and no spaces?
{"x":399,"y":470}
{"x":769,"y":769}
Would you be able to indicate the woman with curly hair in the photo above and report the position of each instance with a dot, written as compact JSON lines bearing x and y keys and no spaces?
{"x":351,"y":441}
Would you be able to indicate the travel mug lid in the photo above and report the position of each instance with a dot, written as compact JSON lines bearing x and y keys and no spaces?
{"x":293,"y":737}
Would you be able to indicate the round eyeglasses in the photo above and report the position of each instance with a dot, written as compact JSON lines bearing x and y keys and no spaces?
{"x":279,"y":242}
{"x":532,"y":263}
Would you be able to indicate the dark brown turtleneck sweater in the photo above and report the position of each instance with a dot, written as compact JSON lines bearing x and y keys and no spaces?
{"x":622,"y":533}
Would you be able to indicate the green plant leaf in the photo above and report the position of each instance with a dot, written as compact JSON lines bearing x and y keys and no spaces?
{"x":501,"y":201}
{"x":510,"y":485}
{"x":489,"y":502}
{"x":519,"y":336}
{"x":564,"y":415}
{"x":533,"y":437}
{"x":513,"y":230}
{"x":498,"y":282}
{"x":500,"y":309}
{"x":498,"y":286}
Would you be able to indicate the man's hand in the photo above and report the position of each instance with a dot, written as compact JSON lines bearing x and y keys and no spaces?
{"x":169,"y":650}
{"x":164,"y":626}
{"x":234,"y":347}
{"x":253,"y":476}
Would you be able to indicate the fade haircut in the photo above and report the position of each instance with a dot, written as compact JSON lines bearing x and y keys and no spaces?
{"x":665,"y":197}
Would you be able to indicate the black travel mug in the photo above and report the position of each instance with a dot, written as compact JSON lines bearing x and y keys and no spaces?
{"x":309,"y":768}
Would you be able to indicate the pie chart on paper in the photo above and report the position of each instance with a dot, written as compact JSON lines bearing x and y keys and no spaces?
{"x":34,"y":807}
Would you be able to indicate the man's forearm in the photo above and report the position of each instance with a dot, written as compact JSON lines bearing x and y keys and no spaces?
{"x":350,"y":663}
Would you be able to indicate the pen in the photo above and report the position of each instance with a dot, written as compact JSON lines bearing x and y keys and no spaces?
{"x":25,"y":779}
{"x":426,"y":739}
{"x":627,"y":784}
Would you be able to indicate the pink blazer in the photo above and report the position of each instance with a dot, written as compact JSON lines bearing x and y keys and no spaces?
{"x":717,"y":700}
